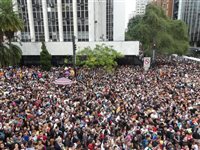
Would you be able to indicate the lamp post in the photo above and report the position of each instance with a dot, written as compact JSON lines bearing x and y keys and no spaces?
{"x":74,"y":53}
{"x":75,"y":34}
{"x":154,"y":53}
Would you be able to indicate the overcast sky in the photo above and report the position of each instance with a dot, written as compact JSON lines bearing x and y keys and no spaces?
{"x":130,"y":7}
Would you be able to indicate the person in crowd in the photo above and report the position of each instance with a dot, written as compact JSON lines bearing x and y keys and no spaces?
{"x":129,"y":109}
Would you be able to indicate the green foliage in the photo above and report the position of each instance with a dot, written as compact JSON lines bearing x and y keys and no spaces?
{"x":66,"y":61}
{"x":45,"y":58}
{"x":4,"y":55}
{"x":10,"y":54}
{"x":131,"y":27}
{"x":101,"y":56}
{"x":169,"y":36}
{"x":10,"y":22}
{"x":16,"y":54}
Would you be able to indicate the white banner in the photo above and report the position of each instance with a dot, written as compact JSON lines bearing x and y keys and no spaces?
{"x":147,"y":62}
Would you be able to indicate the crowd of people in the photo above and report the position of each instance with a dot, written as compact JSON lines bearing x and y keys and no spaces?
{"x":128,"y":109}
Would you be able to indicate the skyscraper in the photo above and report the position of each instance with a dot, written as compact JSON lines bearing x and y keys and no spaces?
{"x":167,"y":6}
{"x":109,"y":20}
{"x":58,"y":20}
{"x":189,"y":12}
{"x":175,"y":9}
{"x":141,"y":6}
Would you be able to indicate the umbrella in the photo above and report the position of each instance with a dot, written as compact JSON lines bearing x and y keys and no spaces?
{"x":63,"y":81}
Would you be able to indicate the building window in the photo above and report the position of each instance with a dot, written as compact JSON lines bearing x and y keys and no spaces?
{"x":53,"y":20}
{"x":109,"y":20}
{"x":38,"y":20}
{"x":83,"y":21}
{"x":68,"y":29}
{"x":23,"y":13}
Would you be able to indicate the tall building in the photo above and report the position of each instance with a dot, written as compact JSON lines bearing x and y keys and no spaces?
{"x":58,"y":20}
{"x":189,"y":12}
{"x":141,"y":6}
{"x":167,"y":5}
{"x":175,"y":9}
{"x":109,"y":20}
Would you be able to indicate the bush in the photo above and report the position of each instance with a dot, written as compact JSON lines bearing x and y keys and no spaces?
{"x":101,"y":56}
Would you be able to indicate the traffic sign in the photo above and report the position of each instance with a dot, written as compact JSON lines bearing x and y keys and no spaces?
{"x":147,"y":62}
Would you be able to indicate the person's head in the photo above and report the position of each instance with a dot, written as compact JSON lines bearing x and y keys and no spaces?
{"x":186,"y":147}
{"x":39,"y":142}
{"x":16,"y":145}
{"x":2,"y":146}
{"x":51,"y":141}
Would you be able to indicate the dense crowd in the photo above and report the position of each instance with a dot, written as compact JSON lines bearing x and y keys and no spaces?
{"x":129,"y":109}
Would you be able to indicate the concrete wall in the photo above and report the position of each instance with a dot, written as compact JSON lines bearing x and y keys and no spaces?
{"x":91,"y":10}
{"x":101,"y":20}
{"x":97,"y":20}
{"x":65,"y":48}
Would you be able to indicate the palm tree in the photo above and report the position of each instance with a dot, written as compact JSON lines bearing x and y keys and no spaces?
{"x":9,"y":24}
{"x":4,"y":55}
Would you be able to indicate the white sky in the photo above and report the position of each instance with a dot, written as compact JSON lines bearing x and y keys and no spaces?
{"x":130,"y":7}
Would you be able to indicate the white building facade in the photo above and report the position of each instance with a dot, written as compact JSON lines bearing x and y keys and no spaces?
{"x":59,"y":20}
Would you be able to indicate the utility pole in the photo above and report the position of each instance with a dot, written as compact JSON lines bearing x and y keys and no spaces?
{"x":154,"y":52}
{"x":74,"y":53}
{"x":75,"y":34}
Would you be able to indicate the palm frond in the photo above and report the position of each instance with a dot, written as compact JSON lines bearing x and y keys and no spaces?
{"x":10,"y":54}
{"x":9,"y":20}
{"x":4,"y":55}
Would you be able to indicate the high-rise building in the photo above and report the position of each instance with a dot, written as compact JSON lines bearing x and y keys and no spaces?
{"x":189,"y":12}
{"x":167,"y":5}
{"x":58,"y":20}
{"x":141,"y":6}
{"x":109,"y":20}
{"x":175,"y":9}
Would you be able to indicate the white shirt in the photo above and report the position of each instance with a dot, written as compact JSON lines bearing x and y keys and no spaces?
{"x":195,"y":147}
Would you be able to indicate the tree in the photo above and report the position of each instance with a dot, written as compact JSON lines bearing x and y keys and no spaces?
{"x":10,"y":21}
{"x":101,"y":56}
{"x":156,"y":29}
{"x":45,"y":58}
{"x":4,"y":55}
{"x":10,"y":54}
{"x":15,"y":54}
{"x":131,"y":26}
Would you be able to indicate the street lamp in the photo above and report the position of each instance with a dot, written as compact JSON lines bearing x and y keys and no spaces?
{"x":154,"y":52}
{"x":74,"y":53}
